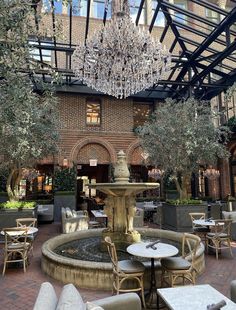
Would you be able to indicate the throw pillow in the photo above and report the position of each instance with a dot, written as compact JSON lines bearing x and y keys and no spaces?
{"x":74,"y":213}
{"x":92,"y":306}
{"x":68,"y":212}
{"x":70,"y":299}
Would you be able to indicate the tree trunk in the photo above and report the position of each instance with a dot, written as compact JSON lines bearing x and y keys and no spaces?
{"x":183,"y":187}
{"x":12,"y":185}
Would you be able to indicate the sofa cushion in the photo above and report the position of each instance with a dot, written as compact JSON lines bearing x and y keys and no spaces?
{"x":92,"y":306}
{"x":71,"y":299}
{"x":47,"y":298}
{"x":74,"y":213}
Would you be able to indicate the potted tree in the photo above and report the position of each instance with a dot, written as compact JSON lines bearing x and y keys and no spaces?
{"x":28,"y":119}
{"x":64,"y":189}
{"x":178,"y":138}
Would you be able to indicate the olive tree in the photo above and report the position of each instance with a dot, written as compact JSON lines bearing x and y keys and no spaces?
{"x":180,"y":136}
{"x":28,"y":118}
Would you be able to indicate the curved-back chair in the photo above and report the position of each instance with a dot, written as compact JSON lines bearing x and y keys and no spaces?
{"x":199,"y":230}
{"x":220,"y":236}
{"x":182,"y":266}
{"x":124,"y":271}
{"x":16,"y":247}
{"x":28,"y":222}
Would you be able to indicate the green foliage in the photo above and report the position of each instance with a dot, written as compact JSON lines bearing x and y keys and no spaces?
{"x":184,"y":201}
{"x":28,"y":117}
{"x":65,"y":179}
{"x":232,"y":123}
{"x":180,"y":135}
{"x":18,"y":205}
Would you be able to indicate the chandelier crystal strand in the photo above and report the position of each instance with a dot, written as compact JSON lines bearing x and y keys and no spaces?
{"x":120,"y":59}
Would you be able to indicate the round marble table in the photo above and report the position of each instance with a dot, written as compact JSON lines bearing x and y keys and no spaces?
{"x":30,"y":231}
{"x":157,"y":251}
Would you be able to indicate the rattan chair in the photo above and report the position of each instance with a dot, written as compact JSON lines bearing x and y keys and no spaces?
{"x":125,"y":272}
{"x":28,"y":222}
{"x":174,"y":268}
{"x":220,"y":236}
{"x":16,"y":247}
{"x":199,"y":230}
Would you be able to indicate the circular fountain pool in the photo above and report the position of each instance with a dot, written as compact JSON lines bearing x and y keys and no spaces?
{"x":76,"y":258}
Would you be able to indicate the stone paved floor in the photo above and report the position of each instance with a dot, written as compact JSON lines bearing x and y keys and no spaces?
{"x":19,"y":290}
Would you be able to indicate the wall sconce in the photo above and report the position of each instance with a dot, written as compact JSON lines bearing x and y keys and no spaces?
{"x":93,"y":162}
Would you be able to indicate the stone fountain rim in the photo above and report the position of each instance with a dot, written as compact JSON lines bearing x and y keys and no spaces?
{"x":49,"y":246}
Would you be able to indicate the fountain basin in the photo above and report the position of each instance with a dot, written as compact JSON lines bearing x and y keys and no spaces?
{"x":98,"y":275}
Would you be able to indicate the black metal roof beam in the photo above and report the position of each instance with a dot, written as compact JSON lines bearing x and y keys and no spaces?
{"x":106,"y":3}
{"x":173,"y":27}
{"x":189,"y":14}
{"x":229,"y":19}
{"x":54,"y":29}
{"x":164,"y":32}
{"x":198,"y":32}
{"x":139,"y":12}
{"x":209,"y":49}
{"x":154,"y":17}
{"x":214,"y":63}
{"x":87,"y":21}
{"x":210,"y":6}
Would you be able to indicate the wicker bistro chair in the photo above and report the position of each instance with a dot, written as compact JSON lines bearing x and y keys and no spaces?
{"x":16,"y":247}
{"x":220,"y":236}
{"x":124,"y":271}
{"x":183,"y":266}
{"x":198,"y":230}
{"x":28,"y":222}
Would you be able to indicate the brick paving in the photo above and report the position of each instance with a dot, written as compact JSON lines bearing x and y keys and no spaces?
{"x":19,"y":289}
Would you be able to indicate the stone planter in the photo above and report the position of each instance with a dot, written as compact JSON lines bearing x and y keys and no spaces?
{"x":63,"y":199}
{"x":176,"y":217}
{"x":8,"y":216}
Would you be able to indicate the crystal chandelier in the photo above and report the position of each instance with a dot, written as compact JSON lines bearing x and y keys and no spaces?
{"x":120,"y":59}
{"x":211,"y":173}
{"x":155,"y":173}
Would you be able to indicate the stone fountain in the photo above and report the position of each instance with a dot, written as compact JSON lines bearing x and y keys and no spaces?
{"x":120,"y":210}
{"x":120,"y":204}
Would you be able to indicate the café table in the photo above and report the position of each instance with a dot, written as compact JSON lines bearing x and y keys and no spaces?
{"x":30,"y":231}
{"x":205,"y":222}
{"x":157,"y":251}
{"x":99,"y":214}
{"x":194,"y":297}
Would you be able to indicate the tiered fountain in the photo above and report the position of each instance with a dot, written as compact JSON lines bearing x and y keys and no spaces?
{"x":120,"y":204}
{"x":95,"y":271}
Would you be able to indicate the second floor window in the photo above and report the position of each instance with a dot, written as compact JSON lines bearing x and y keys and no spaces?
{"x":93,"y":113}
{"x":141,"y":113}
{"x":99,"y":8}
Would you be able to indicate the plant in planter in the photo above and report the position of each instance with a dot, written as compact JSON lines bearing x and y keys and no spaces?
{"x":64,"y":190}
{"x":181,"y":135}
{"x":28,"y":121}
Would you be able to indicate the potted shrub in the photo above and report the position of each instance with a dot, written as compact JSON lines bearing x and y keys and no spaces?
{"x":178,"y":137}
{"x":64,"y":190}
{"x":11,"y":210}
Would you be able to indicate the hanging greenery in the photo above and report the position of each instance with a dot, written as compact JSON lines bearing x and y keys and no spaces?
{"x":65,"y":179}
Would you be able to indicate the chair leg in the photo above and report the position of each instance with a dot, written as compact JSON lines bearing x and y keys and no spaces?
{"x":142,"y":293}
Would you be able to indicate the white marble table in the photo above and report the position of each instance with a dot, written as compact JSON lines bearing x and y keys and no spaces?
{"x":99,"y":214}
{"x":30,"y":231}
{"x":204,"y":222}
{"x":194,"y":297}
{"x":159,"y":250}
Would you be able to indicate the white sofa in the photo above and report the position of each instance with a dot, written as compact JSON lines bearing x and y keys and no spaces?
{"x":70,"y":299}
{"x":72,"y":220}
{"x":231,"y":215}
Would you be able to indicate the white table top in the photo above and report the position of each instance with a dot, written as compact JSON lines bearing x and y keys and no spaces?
{"x":205,"y":222}
{"x":98,"y":213}
{"x":194,"y":297}
{"x":162,"y":250}
{"x":30,"y":231}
